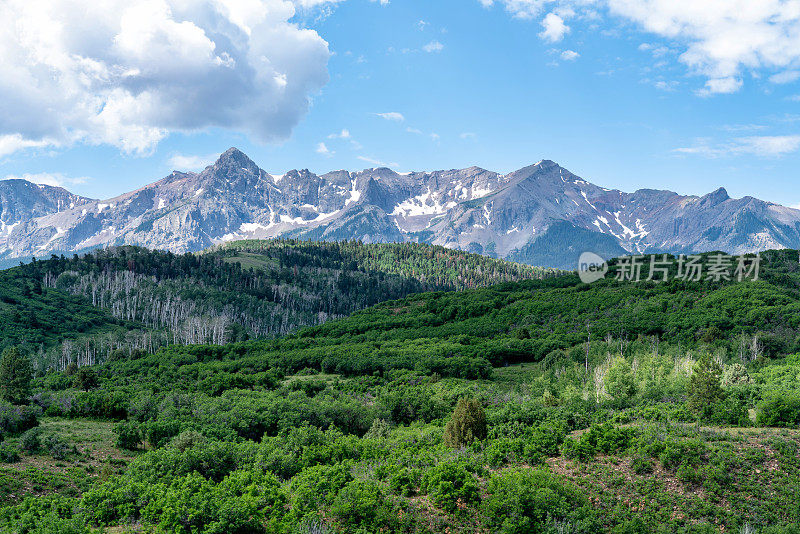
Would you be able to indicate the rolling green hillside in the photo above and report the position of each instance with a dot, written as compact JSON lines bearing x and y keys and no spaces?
{"x":539,"y":406}
{"x":243,"y":290}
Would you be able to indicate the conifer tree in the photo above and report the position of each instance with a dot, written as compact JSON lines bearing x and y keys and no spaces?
{"x":467,"y":424}
{"x":705,"y":387}
{"x":15,"y":376}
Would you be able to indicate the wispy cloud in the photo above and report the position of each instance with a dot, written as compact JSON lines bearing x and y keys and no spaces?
{"x":392,"y":116}
{"x":433,"y":46}
{"x":56,"y":179}
{"x":468,"y":135}
{"x":717,"y":86}
{"x":787,"y":76}
{"x":344,"y":134}
{"x":188,"y":162}
{"x":763,"y":146}
{"x":377,"y":162}
{"x":324,"y":150}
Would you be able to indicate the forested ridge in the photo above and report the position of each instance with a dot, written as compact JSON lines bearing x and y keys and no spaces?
{"x":538,"y":406}
{"x":243,"y":290}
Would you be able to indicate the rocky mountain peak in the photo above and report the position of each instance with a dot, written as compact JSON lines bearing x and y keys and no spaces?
{"x":234,"y":160}
{"x":717,"y":197}
{"x":541,"y":214}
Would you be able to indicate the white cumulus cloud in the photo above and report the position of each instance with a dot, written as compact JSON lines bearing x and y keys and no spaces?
{"x":554,"y":28}
{"x":569,"y":55}
{"x":720,"y":40}
{"x":129,"y":73}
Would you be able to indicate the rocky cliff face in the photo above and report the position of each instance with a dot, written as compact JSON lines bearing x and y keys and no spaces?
{"x":540,"y":214}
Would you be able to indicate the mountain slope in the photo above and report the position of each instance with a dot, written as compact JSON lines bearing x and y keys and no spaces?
{"x":541,"y":214}
{"x":240,"y":290}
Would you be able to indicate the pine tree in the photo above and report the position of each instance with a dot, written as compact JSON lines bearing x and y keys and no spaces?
{"x":705,"y":387}
{"x":467,"y":424}
{"x":15,"y":376}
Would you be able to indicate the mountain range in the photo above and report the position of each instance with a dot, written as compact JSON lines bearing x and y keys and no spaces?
{"x":541,"y":214}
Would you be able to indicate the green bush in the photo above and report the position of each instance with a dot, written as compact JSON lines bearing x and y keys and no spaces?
{"x":620,"y":382}
{"x":527,"y":501}
{"x":451,"y":486}
{"x":128,"y":435}
{"x":188,"y":439}
{"x":57,"y":447}
{"x":780,"y":410}
{"x":316,"y":487}
{"x":404,"y":482}
{"x":605,"y":438}
{"x":673,"y":452}
{"x":361,"y":504}
{"x":8,"y":453}
{"x":15,"y":419}
{"x":31,"y":441}
{"x":705,"y":389}
{"x":85,"y":379}
{"x":641,"y":465}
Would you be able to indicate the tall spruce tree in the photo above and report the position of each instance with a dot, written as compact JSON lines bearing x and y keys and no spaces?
{"x":705,"y":387}
{"x":467,"y":424}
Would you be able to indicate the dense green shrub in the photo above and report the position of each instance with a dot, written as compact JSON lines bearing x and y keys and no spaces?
{"x":641,"y":465}
{"x":675,"y":452}
{"x":15,"y":419}
{"x":8,"y":453}
{"x":526,"y":501}
{"x":605,"y":438}
{"x":404,"y":482}
{"x":57,"y":447}
{"x":620,"y":382}
{"x":85,"y":379}
{"x":779,"y":410}
{"x":31,"y":440}
{"x":362,"y":504}
{"x":315,"y":487}
{"x":129,"y":435}
{"x":451,"y":486}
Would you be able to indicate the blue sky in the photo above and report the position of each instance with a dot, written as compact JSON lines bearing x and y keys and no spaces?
{"x":627,"y":94}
